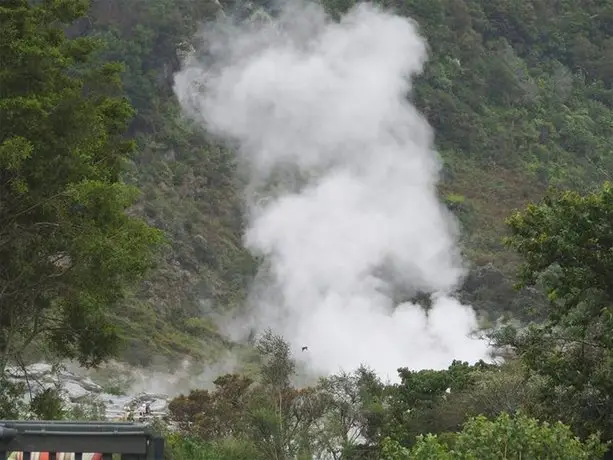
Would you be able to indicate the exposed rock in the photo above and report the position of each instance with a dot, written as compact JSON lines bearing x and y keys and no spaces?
{"x":82,"y":390}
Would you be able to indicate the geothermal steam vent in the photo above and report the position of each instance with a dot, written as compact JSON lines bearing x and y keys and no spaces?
{"x":341,"y":194}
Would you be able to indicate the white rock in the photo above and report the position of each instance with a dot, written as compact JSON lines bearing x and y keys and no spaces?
{"x":90,"y":385}
{"x":74,"y":390}
{"x":159,"y":405}
{"x":39,"y":369}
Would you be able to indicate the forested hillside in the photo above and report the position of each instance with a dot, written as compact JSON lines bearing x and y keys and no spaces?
{"x":518,"y":93}
{"x":188,"y":184}
{"x":121,"y":226}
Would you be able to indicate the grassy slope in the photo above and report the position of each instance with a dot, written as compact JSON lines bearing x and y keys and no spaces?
{"x":517,"y":90}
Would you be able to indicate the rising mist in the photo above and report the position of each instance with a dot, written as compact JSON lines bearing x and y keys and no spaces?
{"x":341,"y":195}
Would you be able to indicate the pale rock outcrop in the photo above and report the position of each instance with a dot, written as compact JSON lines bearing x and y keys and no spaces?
{"x":77,"y":389}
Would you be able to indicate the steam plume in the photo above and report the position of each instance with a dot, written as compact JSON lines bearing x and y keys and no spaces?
{"x":342,"y":186}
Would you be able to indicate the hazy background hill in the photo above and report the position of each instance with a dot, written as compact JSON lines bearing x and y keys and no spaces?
{"x":519,"y":93}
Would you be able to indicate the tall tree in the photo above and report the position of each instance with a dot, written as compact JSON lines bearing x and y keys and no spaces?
{"x":567,"y":245}
{"x":68,"y":248}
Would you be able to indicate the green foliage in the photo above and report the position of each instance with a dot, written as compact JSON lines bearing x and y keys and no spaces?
{"x":180,"y":448}
{"x":47,"y":405}
{"x":188,"y":183}
{"x":355,"y":416}
{"x":520,"y":96}
{"x":428,"y":447}
{"x":570,"y":235}
{"x":269,"y":418}
{"x":67,"y":246}
{"x":91,"y":410}
{"x":278,"y":365}
{"x":565,"y":241}
{"x":522,"y":437}
{"x":505,"y":437}
{"x":563,"y":374}
{"x":416,"y":400}
{"x":11,"y":404}
{"x":18,"y":401}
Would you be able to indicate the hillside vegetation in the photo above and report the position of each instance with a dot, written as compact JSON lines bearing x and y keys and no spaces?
{"x":519,"y":94}
{"x":120,"y":220}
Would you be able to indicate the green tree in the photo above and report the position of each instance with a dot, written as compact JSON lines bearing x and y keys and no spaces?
{"x":270,"y":416}
{"x":48,"y":405}
{"x":571,"y":235}
{"x":565,"y":242}
{"x":218,"y":414}
{"x":414,"y":403}
{"x":12,"y":405}
{"x":68,"y":247}
{"x":505,"y":437}
{"x":179,"y":447}
{"x":353,"y":412}
{"x":282,"y":418}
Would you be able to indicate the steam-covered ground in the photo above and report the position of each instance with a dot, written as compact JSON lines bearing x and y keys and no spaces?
{"x":117,"y":391}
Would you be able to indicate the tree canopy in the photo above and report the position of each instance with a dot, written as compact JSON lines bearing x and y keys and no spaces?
{"x":504,"y":437}
{"x":565,"y":241}
{"x":68,"y":247}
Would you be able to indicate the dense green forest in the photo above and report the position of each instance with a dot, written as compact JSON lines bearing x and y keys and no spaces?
{"x":121,"y":224}
{"x":517,"y":94}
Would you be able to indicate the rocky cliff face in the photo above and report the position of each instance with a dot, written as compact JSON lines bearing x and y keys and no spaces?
{"x":81,"y":391}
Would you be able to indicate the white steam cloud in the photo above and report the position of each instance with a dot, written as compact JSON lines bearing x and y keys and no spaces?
{"x":342,"y":186}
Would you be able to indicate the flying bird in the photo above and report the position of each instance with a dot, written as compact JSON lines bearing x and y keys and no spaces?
{"x":305,"y":348}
